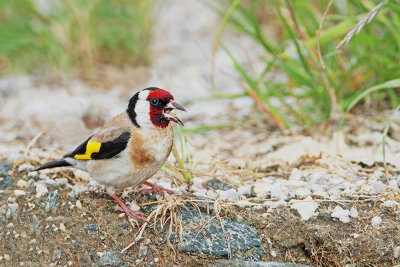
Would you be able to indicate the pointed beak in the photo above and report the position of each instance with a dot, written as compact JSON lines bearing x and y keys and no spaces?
{"x":171,"y":116}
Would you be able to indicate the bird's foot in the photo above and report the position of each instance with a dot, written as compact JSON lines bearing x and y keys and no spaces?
{"x":137,"y":215}
{"x":156,"y":189}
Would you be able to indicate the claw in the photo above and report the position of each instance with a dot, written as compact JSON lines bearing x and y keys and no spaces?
{"x":156,"y":189}
{"x":137,"y":215}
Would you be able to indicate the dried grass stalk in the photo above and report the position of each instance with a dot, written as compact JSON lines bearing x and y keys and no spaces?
{"x":361,"y":24}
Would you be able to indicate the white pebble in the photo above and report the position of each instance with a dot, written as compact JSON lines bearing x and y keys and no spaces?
{"x":211,"y":194}
{"x":22,"y":183}
{"x":266,"y":215}
{"x":32,"y":174}
{"x":25,"y":167}
{"x":353,"y":212}
{"x":376,"y":221}
{"x":78,"y":204}
{"x":143,"y":249}
{"x":19,"y":193}
{"x":355,"y":235}
{"x":295,"y":175}
{"x":43,"y":176}
{"x":41,"y":190}
{"x":341,"y":214}
{"x":306,"y":208}
{"x":82,"y":174}
{"x":390,"y":203}
{"x":244,"y":190}
{"x":393,"y":185}
{"x":396,"y":252}
{"x":229,"y":195}
{"x":133,"y":206}
{"x":7,"y":257}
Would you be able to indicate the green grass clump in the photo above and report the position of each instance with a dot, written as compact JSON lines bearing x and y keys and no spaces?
{"x":73,"y":34}
{"x":364,"y":72}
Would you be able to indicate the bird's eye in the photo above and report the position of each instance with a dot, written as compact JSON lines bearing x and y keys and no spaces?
{"x":154,"y":101}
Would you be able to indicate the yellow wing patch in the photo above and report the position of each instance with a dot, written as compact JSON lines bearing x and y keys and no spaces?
{"x":91,"y":147}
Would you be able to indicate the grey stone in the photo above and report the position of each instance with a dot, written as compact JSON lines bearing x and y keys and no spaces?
{"x":143,"y":249}
{"x":50,"y":204}
{"x":111,"y":258}
{"x":5,"y":179}
{"x":57,"y":254}
{"x":12,"y":210}
{"x":92,"y":227}
{"x":202,"y":233}
{"x":235,"y":263}
{"x":218,"y":185}
{"x":36,"y":228}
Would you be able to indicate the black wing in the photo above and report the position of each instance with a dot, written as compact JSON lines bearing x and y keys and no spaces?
{"x":97,"y":150}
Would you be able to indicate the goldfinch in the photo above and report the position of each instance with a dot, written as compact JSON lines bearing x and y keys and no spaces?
{"x":131,"y":147}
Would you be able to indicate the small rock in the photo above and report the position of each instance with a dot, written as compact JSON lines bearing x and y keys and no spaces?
{"x":353,"y":212}
{"x":390,"y":204}
{"x":50,"y":205}
{"x":4,"y":182}
{"x":296,"y":175}
{"x":376,"y":221}
{"x":5,"y":179}
{"x":110,"y":258}
{"x":19,"y":193}
{"x":236,"y":263}
{"x":245,"y":190}
{"x":143,"y":249}
{"x":229,"y":195}
{"x":306,"y":208}
{"x":244,"y":241}
{"x":355,"y":235}
{"x":41,"y":190}
{"x":36,"y":228}
{"x":4,"y":167}
{"x":218,"y":185}
{"x":341,"y":214}
{"x":32,"y":174}
{"x":22,"y":183}
{"x":134,"y":206}
{"x":11,"y":210}
{"x":396,"y":252}
{"x":57,"y":254}
{"x":7,"y":257}
{"x":124,"y":225}
{"x":78,"y":204}
{"x":25,"y":167}
{"x":92,"y":227}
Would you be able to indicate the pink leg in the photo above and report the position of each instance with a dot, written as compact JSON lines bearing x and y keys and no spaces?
{"x":122,"y":207}
{"x":155,"y":188}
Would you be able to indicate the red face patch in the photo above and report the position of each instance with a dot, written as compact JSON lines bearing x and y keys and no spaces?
{"x":160,"y":94}
{"x":156,"y":112}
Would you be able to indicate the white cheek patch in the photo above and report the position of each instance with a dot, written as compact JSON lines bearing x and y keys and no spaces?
{"x":144,"y":94}
{"x":142,"y":110}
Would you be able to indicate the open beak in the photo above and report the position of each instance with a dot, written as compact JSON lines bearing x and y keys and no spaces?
{"x":171,"y":116}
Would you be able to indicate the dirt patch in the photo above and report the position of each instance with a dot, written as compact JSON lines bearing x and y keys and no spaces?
{"x":77,"y":231}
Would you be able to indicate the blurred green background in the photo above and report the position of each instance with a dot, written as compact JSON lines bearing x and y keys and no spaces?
{"x":73,"y":35}
{"x":298,"y":39}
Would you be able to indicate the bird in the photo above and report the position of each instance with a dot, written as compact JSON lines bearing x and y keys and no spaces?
{"x":130,"y":148}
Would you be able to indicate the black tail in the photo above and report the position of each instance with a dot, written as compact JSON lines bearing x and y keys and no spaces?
{"x":53,"y":164}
